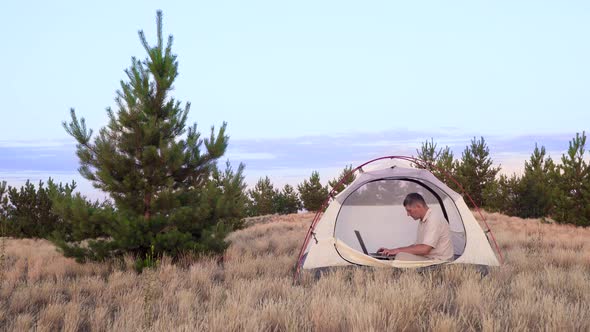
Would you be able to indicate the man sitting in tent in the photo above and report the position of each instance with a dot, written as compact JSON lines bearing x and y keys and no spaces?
{"x":433,"y":240}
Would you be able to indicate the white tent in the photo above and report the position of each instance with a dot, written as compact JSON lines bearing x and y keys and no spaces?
{"x":372,"y":205}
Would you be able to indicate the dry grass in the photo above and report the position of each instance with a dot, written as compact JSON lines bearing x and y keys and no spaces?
{"x":543,"y":285}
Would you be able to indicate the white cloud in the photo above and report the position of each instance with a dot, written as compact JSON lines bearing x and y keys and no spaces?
{"x":250,"y":156}
{"x":284,"y":160}
{"x":381,"y":143}
{"x":23,"y":175}
{"x":49,"y":143}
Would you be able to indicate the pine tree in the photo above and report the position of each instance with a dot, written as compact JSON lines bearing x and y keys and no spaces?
{"x":82,"y":219}
{"x":346,"y":176}
{"x":537,"y":186}
{"x":572,"y":204}
{"x":262,"y":198}
{"x":287,"y":201}
{"x":27,"y":211}
{"x":4,"y":208}
{"x":502,"y":195}
{"x":231,"y":191}
{"x":439,"y":162}
{"x":312,"y":193}
{"x":161,"y":175}
{"x":446,"y":164}
{"x":475,"y":171}
{"x":427,"y":153}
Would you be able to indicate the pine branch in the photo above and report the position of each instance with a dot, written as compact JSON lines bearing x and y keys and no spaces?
{"x":78,"y":130}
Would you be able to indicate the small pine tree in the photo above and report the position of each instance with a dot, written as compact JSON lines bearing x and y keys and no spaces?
{"x":537,"y":186}
{"x":161,"y":175}
{"x":446,"y":163}
{"x":475,"y":171}
{"x":287,"y":201}
{"x":4,"y":208}
{"x":82,"y":219}
{"x":427,"y":153}
{"x":572,"y":204}
{"x":439,"y":162}
{"x":502,"y":195}
{"x":262,"y":198}
{"x":312,"y":193}
{"x":346,"y":176}
{"x":28,"y":210}
{"x":230,"y":188}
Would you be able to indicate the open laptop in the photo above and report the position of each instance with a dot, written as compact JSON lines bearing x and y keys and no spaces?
{"x":372,"y":254}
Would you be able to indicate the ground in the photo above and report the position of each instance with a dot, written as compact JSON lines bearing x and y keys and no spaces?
{"x":544,"y":284}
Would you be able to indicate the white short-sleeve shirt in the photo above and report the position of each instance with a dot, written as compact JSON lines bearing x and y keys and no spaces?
{"x":434,"y":231}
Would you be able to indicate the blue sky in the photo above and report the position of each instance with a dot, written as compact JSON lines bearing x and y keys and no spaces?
{"x":305,"y":85}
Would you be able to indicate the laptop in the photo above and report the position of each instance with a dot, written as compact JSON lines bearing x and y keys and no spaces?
{"x":372,"y":254}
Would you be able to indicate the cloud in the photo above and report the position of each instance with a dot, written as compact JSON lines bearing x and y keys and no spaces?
{"x":288,"y":160}
{"x":38,"y":144}
{"x":249,"y":155}
{"x":35,"y":176}
{"x":295,"y":158}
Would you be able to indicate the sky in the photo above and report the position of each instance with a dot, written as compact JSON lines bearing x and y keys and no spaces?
{"x":305,"y":85}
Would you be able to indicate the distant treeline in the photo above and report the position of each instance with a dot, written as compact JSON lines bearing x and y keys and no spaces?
{"x":36,"y":211}
{"x":559,"y":190}
{"x":310,"y":195}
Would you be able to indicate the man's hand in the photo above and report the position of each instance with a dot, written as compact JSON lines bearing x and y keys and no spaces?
{"x":387,"y":252}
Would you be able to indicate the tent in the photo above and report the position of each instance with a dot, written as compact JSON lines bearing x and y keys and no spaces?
{"x":372,"y":205}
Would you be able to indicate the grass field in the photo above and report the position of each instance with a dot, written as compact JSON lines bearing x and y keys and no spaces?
{"x":543,"y":285}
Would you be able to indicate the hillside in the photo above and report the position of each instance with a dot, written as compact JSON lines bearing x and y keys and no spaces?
{"x":544,"y":284}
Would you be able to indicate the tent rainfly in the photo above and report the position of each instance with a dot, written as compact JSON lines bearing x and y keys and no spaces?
{"x":372,"y":205}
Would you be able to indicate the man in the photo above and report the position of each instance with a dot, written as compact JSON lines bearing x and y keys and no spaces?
{"x":433,"y":240}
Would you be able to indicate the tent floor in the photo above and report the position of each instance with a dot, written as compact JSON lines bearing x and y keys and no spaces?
{"x":318,"y":273}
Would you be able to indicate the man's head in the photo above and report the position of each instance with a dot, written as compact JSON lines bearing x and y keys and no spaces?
{"x":415,"y":206}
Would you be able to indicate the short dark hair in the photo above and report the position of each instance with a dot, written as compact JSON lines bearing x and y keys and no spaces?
{"x":414,"y":198}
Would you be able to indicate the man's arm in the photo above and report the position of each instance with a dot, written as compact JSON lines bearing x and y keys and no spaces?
{"x":416,"y":249}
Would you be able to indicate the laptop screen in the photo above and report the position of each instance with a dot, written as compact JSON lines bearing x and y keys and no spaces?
{"x":361,"y":242}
